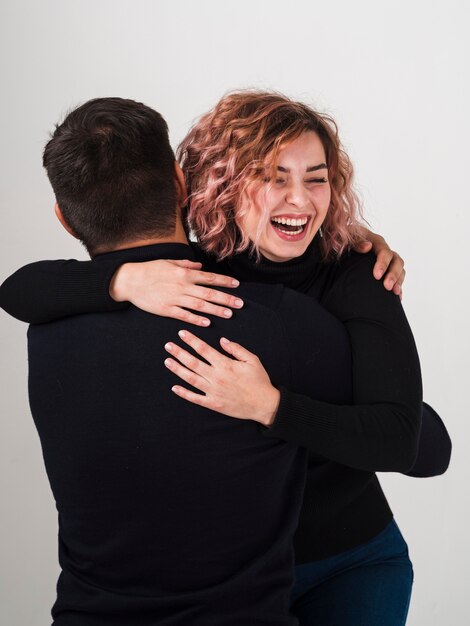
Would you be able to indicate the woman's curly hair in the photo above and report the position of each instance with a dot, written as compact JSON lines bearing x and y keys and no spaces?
{"x":226,"y":153}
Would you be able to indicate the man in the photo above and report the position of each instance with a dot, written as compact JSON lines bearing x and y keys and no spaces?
{"x":169,"y":514}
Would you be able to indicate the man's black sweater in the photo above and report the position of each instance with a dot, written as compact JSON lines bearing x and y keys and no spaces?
{"x":171,"y":514}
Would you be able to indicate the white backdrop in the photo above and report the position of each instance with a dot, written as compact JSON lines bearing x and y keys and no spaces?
{"x":393,"y":75}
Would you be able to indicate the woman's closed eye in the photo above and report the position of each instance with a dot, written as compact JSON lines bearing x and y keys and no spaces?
{"x":277,"y":181}
{"x":281,"y":181}
{"x":317,"y":180}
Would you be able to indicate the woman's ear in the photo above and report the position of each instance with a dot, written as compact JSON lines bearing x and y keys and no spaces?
{"x":61,"y":219}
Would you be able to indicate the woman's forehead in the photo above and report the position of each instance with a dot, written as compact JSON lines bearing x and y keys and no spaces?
{"x":306,"y":151}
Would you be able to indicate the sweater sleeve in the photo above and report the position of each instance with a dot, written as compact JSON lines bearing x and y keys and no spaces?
{"x":434,"y":446}
{"x":48,"y":290}
{"x":380,"y":431}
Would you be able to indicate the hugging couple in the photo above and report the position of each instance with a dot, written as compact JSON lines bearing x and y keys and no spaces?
{"x":212,"y":414}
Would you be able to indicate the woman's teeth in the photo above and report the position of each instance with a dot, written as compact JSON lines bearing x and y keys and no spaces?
{"x":290,"y":221}
{"x":294,"y":226}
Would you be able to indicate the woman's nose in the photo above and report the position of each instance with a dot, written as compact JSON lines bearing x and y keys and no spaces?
{"x":296,"y":194}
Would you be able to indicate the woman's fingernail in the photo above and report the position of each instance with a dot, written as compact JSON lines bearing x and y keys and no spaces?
{"x":205,"y":322}
{"x":235,"y":282}
{"x":227,"y":313}
{"x":238,"y":302}
{"x":168,"y":362}
{"x":169,"y":347}
{"x":182,"y":333}
{"x":223,"y":340}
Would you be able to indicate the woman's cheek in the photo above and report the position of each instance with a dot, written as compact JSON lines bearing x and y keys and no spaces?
{"x":322,"y":197}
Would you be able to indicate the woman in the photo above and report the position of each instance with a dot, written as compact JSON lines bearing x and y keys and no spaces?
{"x":264,"y":175}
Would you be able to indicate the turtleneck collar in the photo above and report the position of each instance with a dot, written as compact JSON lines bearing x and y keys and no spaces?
{"x":150,"y":253}
{"x":298,"y":273}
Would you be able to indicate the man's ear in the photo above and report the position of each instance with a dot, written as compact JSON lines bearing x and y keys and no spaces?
{"x":61,"y":219}
{"x":181,"y":191}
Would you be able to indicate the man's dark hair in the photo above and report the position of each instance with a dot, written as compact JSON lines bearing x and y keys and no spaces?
{"x":111,"y":167}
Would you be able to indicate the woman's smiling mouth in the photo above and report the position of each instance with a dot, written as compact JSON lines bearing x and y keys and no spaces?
{"x":290,"y":227}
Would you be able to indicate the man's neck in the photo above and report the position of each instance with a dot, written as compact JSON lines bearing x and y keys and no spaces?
{"x":179,"y":236}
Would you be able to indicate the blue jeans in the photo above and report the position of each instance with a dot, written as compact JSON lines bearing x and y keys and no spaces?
{"x":369,"y":585}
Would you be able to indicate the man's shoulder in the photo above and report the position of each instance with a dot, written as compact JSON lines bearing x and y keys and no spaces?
{"x":352,"y":261}
{"x":350,"y":270}
{"x":269,"y":296}
{"x":274,"y":300}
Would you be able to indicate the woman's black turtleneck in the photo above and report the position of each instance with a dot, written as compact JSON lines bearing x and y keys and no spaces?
{"x":344,"y":504}
{"x":300,"y":273}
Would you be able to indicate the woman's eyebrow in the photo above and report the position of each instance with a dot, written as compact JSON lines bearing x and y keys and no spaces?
{"x":313,"y":168}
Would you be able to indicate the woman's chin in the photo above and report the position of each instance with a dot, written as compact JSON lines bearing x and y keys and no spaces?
{"x":286,"y":251}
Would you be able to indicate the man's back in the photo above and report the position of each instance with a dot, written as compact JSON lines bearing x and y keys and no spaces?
{"x":170,"y":513}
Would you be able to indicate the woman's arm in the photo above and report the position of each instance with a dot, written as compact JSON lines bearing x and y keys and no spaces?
{"x":48,"y":290}
{"x":385,"y":373}
{"x":379,"y":433}
{"x":434,"y":446}
{"x":389,"y":263}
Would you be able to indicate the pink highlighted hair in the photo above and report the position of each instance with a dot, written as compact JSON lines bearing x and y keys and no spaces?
{"x":226,"y":153}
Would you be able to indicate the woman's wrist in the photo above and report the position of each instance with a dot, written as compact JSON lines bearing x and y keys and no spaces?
{"x":270,"y":406}
{"x":119,"y":287}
